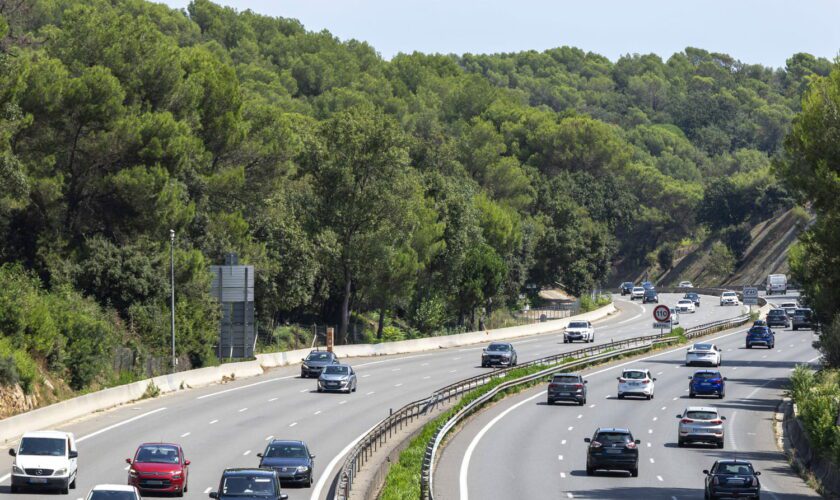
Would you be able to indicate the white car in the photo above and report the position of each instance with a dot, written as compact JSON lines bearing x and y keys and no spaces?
{"x":675,"y":317}
{"x":113,"y":492}
{"x":638,"y":292}
{"x":729,"y":299}
{"x":579,"y":330}
{"x":707,"y":354}
{"x":45,"y":459}
{"x":636,"y":382}
{"x":686,"y":305}
{"x":685,"y":284}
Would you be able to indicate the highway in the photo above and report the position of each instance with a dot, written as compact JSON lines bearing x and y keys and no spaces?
{"x":227,"y":425}
{"x":523,"y":448}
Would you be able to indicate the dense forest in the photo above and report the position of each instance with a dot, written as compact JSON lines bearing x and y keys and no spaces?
{"x":421,"y":193}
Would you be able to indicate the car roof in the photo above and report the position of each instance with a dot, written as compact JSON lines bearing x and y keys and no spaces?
{"x":242,"y":471}
{"x":702,"y":408}
{"x":47,"y":434}
{"x":776,"y":309}
{"x":706,"y":371}
{"x":635,"y":370}
{"x":159,"y":444}
{"x":113,"y":487}
{"x":613,"y":429}
{"x":286,"y":441}
{"x":734,"y":461}
{"x":501,"y":343}
{"x":729,"y":292}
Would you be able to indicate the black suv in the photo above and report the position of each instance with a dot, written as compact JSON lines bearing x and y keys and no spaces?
{"x":252,"y":483}
{"x":777,"y":317}
{"x":626,"y":288}
{"x":291,"y":459}
{"x":612,"y":449}
{"x":801,"y":319}
{"x":650,"y":295}
{"x":732,"y":478}
{"x":693,"y":297}
{"x":567,"y":387}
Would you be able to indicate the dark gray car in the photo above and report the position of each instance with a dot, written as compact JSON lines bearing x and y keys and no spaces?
{"x":499,"y":353}
{"x":291,"y":459}
{"x":802,"y":318}
{"x":312,"y":365}
{"x":339,"y":378}
{"x":567,"y":387}
{"x":263,"y":484}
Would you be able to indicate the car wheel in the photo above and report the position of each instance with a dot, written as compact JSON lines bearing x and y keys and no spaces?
{"x":680,"y":443}
{"x":179,"y":494}
{"x":319,"y":390}
{"x":749,"y":346}
{"x":15,"y":489}
{"x":64,"y":490}
{"x":720,"y":444}
{"x":565,"y":341}
{"x":73,"y":483}
{"x":549,"y":402}
{"x":621,"y":396}
{"x":794,"y":328}
{"x":634,"y":472}
{"x":590,"y":471}
{"x":582,"y":402}
{"x":691,"y":395}
{"x":649,"y":397}
{"x":721,"y":395}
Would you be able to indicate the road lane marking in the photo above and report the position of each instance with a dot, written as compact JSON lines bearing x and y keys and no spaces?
{"x":317,"y":412}
{"x":304,"y":390}
{"x":559,"y":457}
{"x":272,"y":400}
{"x":247,"y":452}
{"x":427,"y":377}
{"x":396,"y":369}
{"x":243,"y":409}
{"x":814,"y":359}
{"x":398,"y":385}
{"x":185,"y":434}
{"x":562,"y":475}
{"x":212,"y":422}
{"x":269,"y":438}
{"x":650,"y":431}
{"x":563,"y":442}
{"x":453,"y":371}
{"x":651,"y":461}
{"x":342,"y":402}
{"x":592,"y":406}
{"x":245,"y":386}
{"x":327,"y":474}
{"x":663,"y":408}
{"x":659,"y":373}
{"x":119,"y":424}
{"x":127,"y":467}
{"x":366,"y":376}
{"x":659,"y":478}
{"x":655,"y":419}
{"x":648,"y":445}
{"x":208,"y":490}
{"x":580,"y":416}
{"x":293,"y":424}
{"x":569,"y":495}
{"x":676,"y":398}
{"x":571,"y":427}
{"x":425,"y":364}
{"x":371,"y":392}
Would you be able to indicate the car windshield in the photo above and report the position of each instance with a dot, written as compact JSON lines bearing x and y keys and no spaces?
{"x":802,"y":312}
{"x":685,"y":301}
{"x":729,"y":294}
{"x":706,"y":375}
{"x":157,"y":454}
{"x":337,"y":370}
{"x":702,"y":347}
{"x":638,"y":289}
{"x":578,"y":324}
{"x":499,"y":347}
{"x":565,"y":379}
{"x":318,"y":356}
{"x":627,"y":283}
{"x":247,"y":486}
{"x":286,"y":451}
{"x":52,"y":447}
{"x":613,"y":437}
{"x":111,"y":495}
{"x":701,"y":415}
{"x":635,"y":375}
{"x":735,"y":469}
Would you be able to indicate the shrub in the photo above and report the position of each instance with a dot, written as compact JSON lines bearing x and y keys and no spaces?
{"x":817,"y":397}
{"x":665,"y":256}
{"x":721,"y":260}
{"x":8,"y":371}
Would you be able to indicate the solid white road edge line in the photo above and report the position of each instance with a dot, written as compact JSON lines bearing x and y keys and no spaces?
{"x":245,"y":386}
{"x":465,"y":462}
{"x":119,"y":424}
{"x":328,"y":471}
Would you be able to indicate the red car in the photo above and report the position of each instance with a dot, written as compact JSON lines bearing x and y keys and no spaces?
{"x":159,"y":467}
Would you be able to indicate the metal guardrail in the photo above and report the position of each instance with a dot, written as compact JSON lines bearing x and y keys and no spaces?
{"x":379,"y":435}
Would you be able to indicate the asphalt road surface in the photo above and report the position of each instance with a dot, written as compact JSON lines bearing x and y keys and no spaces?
{"x":227,"y":425}
{"x":522,"y":448}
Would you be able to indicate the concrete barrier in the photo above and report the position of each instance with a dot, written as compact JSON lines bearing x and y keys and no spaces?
{"x":49,"y":416}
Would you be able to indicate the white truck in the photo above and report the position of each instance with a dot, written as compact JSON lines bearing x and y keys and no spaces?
{"x":45,"y":459}
{"x":776,"y":283}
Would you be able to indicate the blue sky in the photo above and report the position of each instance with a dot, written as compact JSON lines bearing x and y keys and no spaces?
{"x":754,"y":31}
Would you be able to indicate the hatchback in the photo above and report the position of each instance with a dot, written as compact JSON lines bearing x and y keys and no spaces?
{"x":113,"y":492}
{"x":650,"y":295}
{"x":636,"y":383}
{"x":340,"y":378}
{"x":761,"y":335}
{"x":159,"y":468}
{"x":700,"y":424}
{"x":313,"y":364}
{"x":707,"y":383}
{"x":637,"y":293}
{"x":612,"y":449}
{"x":732,"y":478}
{"x":693,"y":297}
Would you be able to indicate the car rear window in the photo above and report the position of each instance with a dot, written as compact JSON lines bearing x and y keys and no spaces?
{"x":736,"y":469}
{"x":111,"y":495}
{"x":701,"y":415}
{"x":761,"y":330}
{"x":336,"y":370}
{"x":702,"y":347}
{"x":789,"y":305}
{"x":776,"y":312}
{"x":706,"y":375}
{"x":566,"y":379}
{"x":613,"y":437}
{"x":802,"y":312}
{"x":634,"y":375}
{"x":729,"y":294}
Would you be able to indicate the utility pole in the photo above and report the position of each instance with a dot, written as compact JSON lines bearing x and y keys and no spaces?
{"x":172,"y":294}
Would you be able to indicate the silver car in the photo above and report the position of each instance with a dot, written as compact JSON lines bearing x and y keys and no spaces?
{"x":700,"y":424}
{"x":340,"y":378}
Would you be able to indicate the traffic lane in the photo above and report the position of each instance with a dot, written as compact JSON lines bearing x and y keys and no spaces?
{"x":644,"y":412}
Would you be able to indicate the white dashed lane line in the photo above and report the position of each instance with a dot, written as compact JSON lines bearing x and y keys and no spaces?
{"x":269,"y":438}
{"x":212,"y":422}
{"x":185,"y":434}
{"x":562,"y":475}
{"x":571,"y":427}
{"x":563,"y":442}
{"x":342,"y":402}
{"x":659,"y":478}
{"x":293,"y":424}
{"x":272,"y":400}
{"x":398,"y":385}
{"x":559,"y":457}
{"x":208,"y":490}
{"x":243,"y":409}
{"x":317,"y":412}
{"x":371,"y":392}
{"x":247,"y":452}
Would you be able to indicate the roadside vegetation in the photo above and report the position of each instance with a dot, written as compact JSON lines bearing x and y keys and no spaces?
{"x":400,"y":198}
{"x":817,"y":398}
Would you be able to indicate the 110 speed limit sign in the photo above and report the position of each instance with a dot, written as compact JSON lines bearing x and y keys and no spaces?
{"x":661,"y":313}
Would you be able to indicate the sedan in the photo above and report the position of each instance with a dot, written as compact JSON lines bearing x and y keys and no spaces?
{"x":686,"y":305}
{"x":499,"y":353}
{"x":291,"y":459}
{"x":159,"y":468}
{"x":650,"y":295}
{"x":339,"y":378}
{"x":636,"y":383}
{"x":700,"y":424}
{"x":708,"y":354}
{"x":707,"y":383}
{"x":732,"y":478}
{"x":113,"y":492}
{"x":637,"y":293}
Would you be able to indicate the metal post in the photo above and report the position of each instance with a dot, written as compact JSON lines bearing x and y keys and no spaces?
{"x":172,"y":295}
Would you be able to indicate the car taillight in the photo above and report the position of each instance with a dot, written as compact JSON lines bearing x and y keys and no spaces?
{"x":630,"y":445}
{"x":686,"y":421}
{"x":578,"y":386}
{"x":646,"y":381}
{"x":717,"y":422}
{"x":595,"y":444}
{"x":622,"y":379}
{"x":715,"y":380}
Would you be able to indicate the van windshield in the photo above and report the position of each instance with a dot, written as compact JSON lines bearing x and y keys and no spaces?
{"x":51,"y":447}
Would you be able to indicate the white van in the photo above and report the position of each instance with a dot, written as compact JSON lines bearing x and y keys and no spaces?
{"x":45,"y":459}
{"x":776,"y":283}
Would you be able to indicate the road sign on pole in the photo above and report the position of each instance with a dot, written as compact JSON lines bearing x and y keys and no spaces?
{"x":662,"y":313}
{"x":750,"y":296}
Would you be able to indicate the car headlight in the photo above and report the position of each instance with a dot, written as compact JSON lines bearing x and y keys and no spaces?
{"x":17,"y":470}
{"x":60,"y":472}
{"x":132,"y":472}
{"x":305,"y":366}
{"x":176,"y":475}
{"x":302,"y":468}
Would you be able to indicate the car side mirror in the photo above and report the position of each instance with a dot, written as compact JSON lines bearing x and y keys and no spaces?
{"x":654,"y":379}
{"x":757,"y":473}
{"x":689,"y":378}
{"x":260,"y":455}
{"x":311,"y":456}
{"x":213,"y":494}
{"x":587,"y":440}
{"x":724,"y":378}
{"x":12,"y":452}
{"x":283,"y":496}
{"x":186,"y":462}
{"x":303,"y":359}
{"x":638,"y":441}
{"x":706,"y":471}
{"x":585,"y":381}
{"x":722,"y":417}
{"x":128,"y":461}
{"x":73,"y":454}
{"x":679,"y":416}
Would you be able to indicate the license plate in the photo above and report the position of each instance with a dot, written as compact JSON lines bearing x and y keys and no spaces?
{"x":635,"y":383}
{"x":613,"y":451}
{"x":564,"y":393}
{"x":37,"y":480}
{"x":154,"y":483}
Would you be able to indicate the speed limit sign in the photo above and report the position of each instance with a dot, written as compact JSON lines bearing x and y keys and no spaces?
{"x":661,"y":313}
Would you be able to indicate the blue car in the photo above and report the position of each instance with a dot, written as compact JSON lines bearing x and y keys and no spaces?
{"x":647,"y":285}
{"x":707,"y":383}
{"x":761,"y":335}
